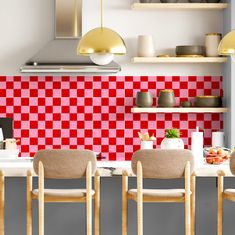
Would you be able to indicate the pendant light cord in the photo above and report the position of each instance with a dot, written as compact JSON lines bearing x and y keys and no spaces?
{"x":101,"y":13}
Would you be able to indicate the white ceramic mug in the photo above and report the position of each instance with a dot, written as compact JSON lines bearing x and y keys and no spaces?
{"x":145,"y":46}
{"x":146,"y":144}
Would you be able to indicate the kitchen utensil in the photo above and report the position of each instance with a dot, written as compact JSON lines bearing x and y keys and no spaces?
{"x":190,"y":51}
{"x":197,"y":147}
{"x":144,"y":99}
{"x":218,"y":139}
{"x":166,"y":98}
{"x":208,"y":101}
{"x":145,"y":46}
{"x":212,"y":42}
{"x":146,"y":137}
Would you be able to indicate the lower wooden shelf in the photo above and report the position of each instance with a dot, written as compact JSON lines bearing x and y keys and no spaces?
{"x":178,"y":110}
{"x":177,"y":60}
{"x":180,"y":6}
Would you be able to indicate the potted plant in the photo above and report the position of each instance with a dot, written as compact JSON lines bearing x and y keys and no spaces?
{"x":172,"y":140}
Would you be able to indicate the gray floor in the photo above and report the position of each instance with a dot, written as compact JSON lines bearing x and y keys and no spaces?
{"x":160,"y":219}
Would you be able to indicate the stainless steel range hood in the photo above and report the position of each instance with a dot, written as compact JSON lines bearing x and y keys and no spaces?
{"x":60,"y":55}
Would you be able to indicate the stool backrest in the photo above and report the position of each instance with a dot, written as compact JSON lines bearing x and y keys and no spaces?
{"x":232,"y":163}
{"x":64,"y":164}
{"x":162,"y":164}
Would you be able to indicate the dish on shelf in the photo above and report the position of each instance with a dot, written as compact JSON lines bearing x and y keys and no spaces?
{"x":190,"y":50}
{"x":190,"y":56}
{"x":208,"y":101}
{"x":216,"y":155}
{"x":164,"y":56}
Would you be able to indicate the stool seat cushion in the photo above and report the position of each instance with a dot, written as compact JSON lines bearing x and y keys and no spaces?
{"x":159,"y":192}
{"x":76,"y":193}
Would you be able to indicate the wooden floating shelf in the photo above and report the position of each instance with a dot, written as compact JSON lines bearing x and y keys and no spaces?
{"x":178,"y":110}
{"x":179,"y":6}
{"x":177,"y":60}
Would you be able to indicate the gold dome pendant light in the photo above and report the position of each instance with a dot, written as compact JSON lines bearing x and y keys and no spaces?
{"x":101,"y":44}
{"x":227,"y":45}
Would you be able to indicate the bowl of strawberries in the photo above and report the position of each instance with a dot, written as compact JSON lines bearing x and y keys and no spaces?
{"x":216,"y":155}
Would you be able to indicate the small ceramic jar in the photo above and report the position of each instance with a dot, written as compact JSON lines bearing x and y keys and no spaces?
{"x":212,"y":42}
{"x":145,"y":46}
{"x":144,"y":99}
{"x":186,"y":104}
{"x":166,"y":98}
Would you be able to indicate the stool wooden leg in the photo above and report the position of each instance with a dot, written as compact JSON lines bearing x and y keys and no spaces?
{"x":41,"y":199}
{"x":139,"y":199}
{"x":220,"y":204}
{"x":29,"y":202}
{"x":124,"y":202}
{"x":193,"y":204}
{"x":97,"y":203}
{"x":89,"y":199}
{"x":2,"y":202}
{"x":187,"y":200}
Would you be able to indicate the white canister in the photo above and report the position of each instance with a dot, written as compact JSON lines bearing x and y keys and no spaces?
{"x":218,"y":139}
{"x":145,"y":46}
{"x":146,"y":144}
{"x":212,"y":43}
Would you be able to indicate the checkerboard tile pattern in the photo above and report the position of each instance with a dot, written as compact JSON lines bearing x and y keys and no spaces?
{"x":95,"y":112}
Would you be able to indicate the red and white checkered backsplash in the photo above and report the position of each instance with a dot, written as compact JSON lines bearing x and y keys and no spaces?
{"x":95,"y":112}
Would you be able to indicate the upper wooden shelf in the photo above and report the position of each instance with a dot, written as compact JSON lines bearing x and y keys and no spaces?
{"x":176,"y":60}
{"x":179,"y":6}
{"x":178,"y":110}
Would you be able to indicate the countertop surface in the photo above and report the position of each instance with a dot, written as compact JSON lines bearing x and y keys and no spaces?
{"x":19,"y":167}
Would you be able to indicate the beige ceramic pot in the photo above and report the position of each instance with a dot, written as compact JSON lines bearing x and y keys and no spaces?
{"x":144,"y":99}
{"x":166,"y":98}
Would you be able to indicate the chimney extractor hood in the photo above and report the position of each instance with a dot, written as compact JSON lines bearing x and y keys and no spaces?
{"x":60,"y":55}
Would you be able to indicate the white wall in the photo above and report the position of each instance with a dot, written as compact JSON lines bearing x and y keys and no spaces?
{"x":27,"y":25}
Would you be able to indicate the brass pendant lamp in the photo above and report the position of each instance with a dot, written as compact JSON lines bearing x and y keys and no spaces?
{"x":101,"y":43}
{"x":227,"y":45}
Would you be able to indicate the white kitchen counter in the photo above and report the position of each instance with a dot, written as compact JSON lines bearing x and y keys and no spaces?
{"x":19,"y":168}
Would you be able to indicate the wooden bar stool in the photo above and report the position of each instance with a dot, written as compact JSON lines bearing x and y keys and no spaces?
{"x":2,"y":202}
{"x":227,"y":194}
{"x":160,"y":164}
{"x":64,"y":164}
